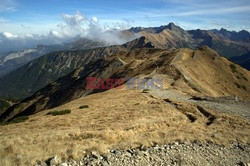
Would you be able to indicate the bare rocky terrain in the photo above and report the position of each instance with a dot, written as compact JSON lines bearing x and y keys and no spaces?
{"x":170,"y":154}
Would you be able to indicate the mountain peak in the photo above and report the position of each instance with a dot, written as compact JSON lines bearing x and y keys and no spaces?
{"x":138,"y":43}
{"x":244,"y":32}
{"x":223,"y":30}
{"x":136,"y":29}
{"x":171,"y":25}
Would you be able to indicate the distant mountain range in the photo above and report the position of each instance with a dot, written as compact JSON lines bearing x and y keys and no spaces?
{"x":38,"y":73}
{"x":243,"y":35}
{"x":13,"y":60}
{"x":230,"y":44}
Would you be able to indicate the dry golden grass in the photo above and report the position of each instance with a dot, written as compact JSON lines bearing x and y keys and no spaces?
{"x":204,"y":71}
{"x":130,"y":118}
{"x":114,"y":119}
{"x":160,"y":40}
{"x":196,"y":72}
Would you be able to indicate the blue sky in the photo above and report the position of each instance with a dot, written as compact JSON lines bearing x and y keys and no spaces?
{"x":22,"y":16}
{"x":26,"y":22}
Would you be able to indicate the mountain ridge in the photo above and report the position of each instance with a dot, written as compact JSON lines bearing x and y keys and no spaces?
{"x":164,"y":37}
{"x":197,"y":72}
{"x":13,"y":60}
{"x":170,"y":36}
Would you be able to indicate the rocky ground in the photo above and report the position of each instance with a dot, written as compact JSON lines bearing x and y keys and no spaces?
{"x":231,"y":105}
{"x":170,"y":154}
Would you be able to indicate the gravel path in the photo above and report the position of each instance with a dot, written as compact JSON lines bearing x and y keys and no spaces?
{"x":222,"y":104}
{"x":227,"y":105}
{"x":170,"y":154}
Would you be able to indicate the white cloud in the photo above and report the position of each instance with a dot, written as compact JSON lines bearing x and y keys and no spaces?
{"x":73,"y":26}
{"x":11,"y":42}
{"x":161,"y":13}
{"x":80,"y":25}
{"x":7,"y":5}
{"x":9,"y":35}
{"x":95,"y":19}
{"x":213,"y":11}
{"x":74,"y":19}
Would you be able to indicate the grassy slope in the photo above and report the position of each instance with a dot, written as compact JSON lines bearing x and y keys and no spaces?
{"x":115,"y":118}
{"x":129,"y":118}
{"x":33,"y":76}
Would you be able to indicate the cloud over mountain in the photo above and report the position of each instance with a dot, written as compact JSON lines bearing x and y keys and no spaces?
{"x":73,"y":26}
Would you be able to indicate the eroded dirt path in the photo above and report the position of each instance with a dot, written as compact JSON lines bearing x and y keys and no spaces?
{"x":229,"y":105}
